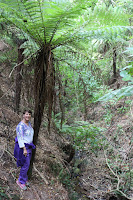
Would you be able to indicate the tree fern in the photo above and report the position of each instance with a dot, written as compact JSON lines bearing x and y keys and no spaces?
{"x":52,"y":24}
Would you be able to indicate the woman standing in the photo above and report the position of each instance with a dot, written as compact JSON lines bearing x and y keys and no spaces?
{"x":23,"y":148}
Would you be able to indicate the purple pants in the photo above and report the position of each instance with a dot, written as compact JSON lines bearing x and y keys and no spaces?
{"x":24,"y":169}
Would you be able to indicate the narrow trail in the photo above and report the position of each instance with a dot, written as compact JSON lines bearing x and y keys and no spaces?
{"x":38,"y":190}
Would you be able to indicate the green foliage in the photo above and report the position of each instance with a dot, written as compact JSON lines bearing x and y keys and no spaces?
{"x":79,"y":83}
{"x":127,"y":75}
{"x":30,"y":47}
{"x":123,"y":109}
{"x":108,"y":117}
{"x":118,"y":94}
{"x":83,"y":135}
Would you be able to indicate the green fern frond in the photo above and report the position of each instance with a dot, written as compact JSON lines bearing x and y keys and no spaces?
{"x":118,"y":94}
{"x":106,"y":33}
{"x":30,"y":47}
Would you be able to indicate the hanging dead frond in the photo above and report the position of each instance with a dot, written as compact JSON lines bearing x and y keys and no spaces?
{"x":49,"y":83}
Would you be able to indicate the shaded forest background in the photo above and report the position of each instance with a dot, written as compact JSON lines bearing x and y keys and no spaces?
{"x":70,"y":62}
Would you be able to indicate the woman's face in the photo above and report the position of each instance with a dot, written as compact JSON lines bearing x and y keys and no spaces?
{"x":27,"y":116}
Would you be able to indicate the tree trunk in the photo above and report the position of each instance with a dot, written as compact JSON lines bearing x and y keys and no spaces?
{"x":62,"y":107}
{"x":84,"y":99}
{"x":44,"y":83}
{"x":85,"y":102}
{"x":114,"y":65}
{"x":54,"y":103}
{"x":18,"y":79}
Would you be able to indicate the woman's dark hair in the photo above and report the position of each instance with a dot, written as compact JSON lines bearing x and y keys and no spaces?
{"x":29,"y":111}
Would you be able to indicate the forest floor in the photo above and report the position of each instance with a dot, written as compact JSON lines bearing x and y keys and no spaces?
{"x":106,"y":172}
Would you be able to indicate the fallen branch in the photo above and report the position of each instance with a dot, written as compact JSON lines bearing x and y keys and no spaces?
{"x":11,"y":172}
{"x":118,"y":179}
{"x":40,"y":174}
{"x":116,"y":175}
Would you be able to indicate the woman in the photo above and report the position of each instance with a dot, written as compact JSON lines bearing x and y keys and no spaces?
{"x":23,"y":148}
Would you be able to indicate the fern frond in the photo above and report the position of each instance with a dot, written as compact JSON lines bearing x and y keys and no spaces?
{"x":30,"y":47}
{"x":118,"y":94}
{"x":105,"y":33}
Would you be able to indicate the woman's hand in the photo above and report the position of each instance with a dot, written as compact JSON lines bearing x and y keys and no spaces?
{"x":24,"y":151}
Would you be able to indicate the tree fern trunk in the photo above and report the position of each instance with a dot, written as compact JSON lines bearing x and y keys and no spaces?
{"x":18,"y":79}
{"x":43,"y":93}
